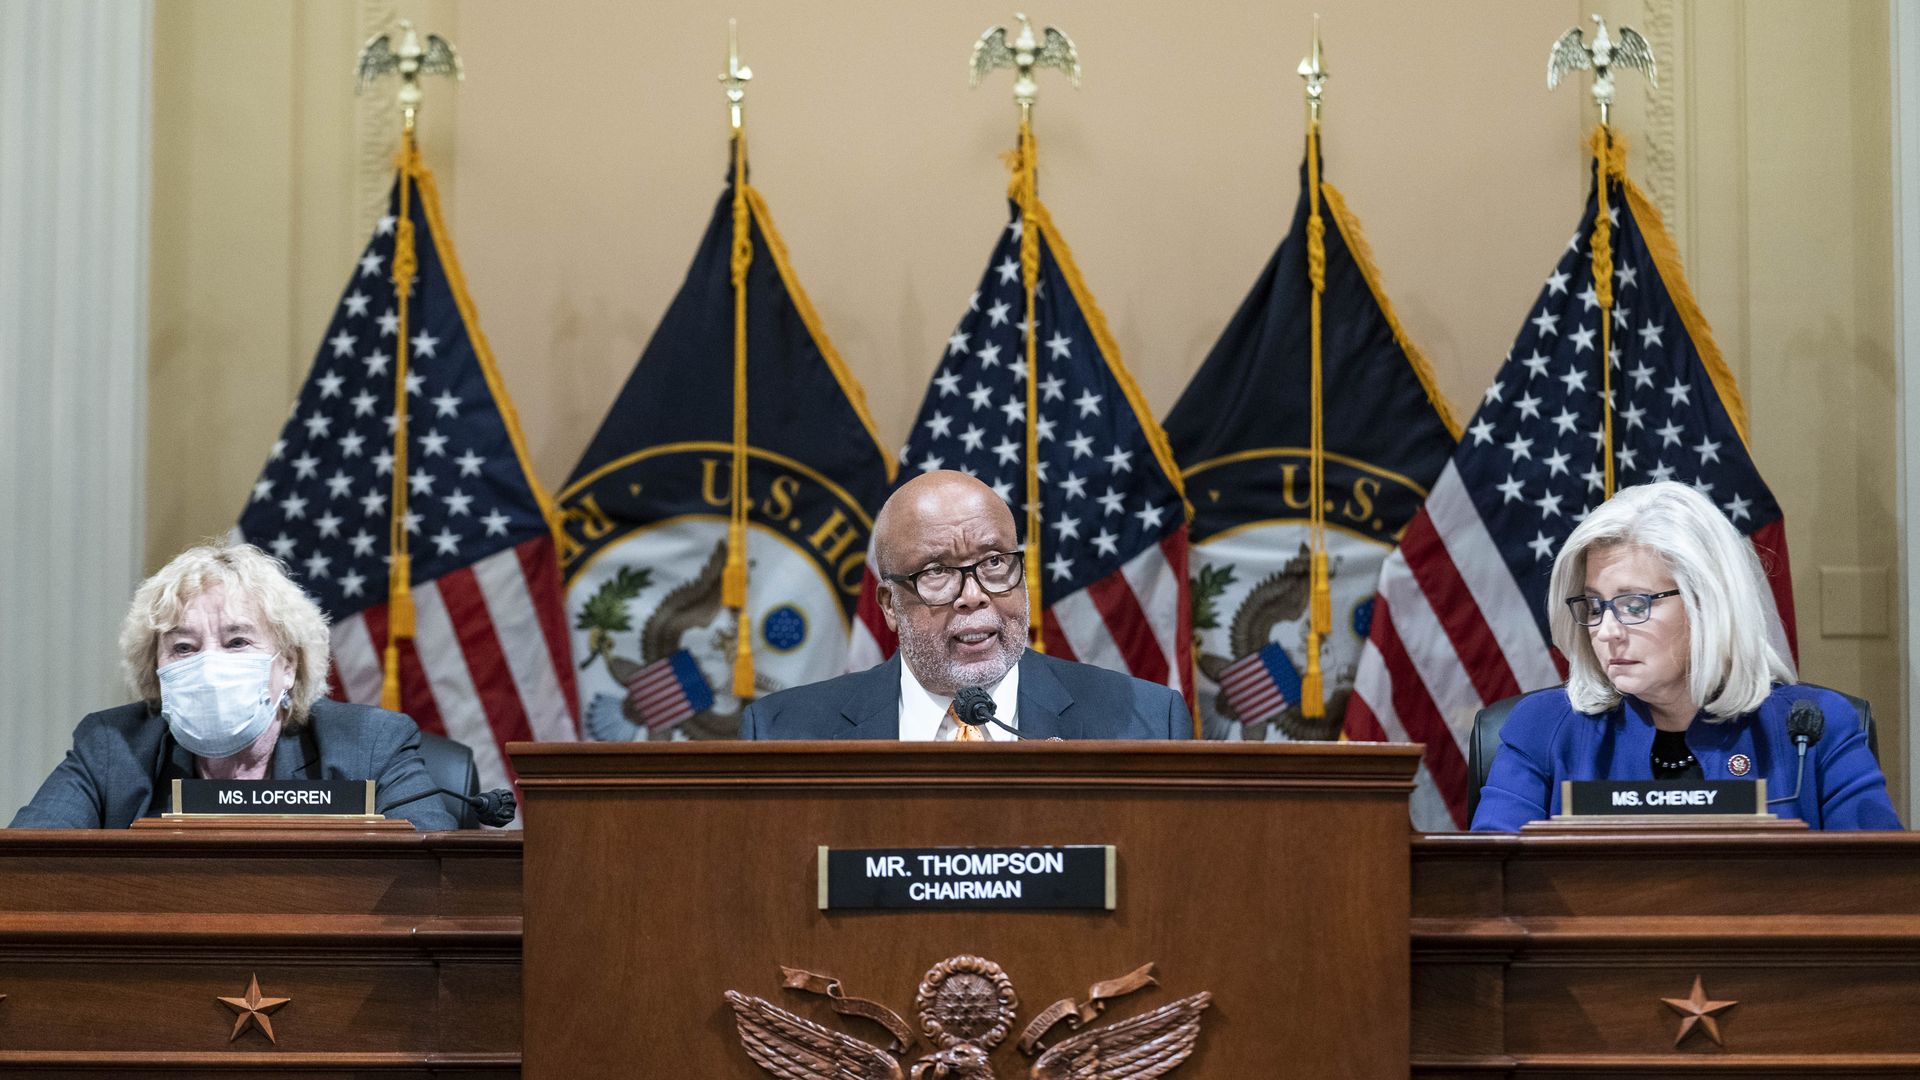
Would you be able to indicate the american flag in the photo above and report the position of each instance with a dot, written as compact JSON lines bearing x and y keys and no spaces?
{"x":1461,"y":616}
{"x":1260,"y":684}
{"x":491,"y":661}
{"x":1113,"y":535}
{"x":668,"y":691}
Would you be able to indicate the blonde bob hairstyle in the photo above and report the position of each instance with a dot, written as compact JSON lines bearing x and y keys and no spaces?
{"x":1731,"y":662}
{"x":290,"y":619}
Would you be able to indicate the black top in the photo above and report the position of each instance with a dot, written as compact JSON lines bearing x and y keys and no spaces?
{"x":1672,"y":758}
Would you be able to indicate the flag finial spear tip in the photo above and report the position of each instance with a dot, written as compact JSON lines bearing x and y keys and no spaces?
{"x":1313,"y":69}
{"x":737,"y":74}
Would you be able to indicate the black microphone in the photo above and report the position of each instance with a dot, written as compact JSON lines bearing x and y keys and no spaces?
{"x":1805,"y":724}
{"x":973,"y":706}
{"x":496,"y":808}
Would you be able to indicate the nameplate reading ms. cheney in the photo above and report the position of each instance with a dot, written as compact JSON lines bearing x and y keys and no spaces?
{"x":1621,"y":798}
{"x":1072,"y":877}
{"x":349,"y":797}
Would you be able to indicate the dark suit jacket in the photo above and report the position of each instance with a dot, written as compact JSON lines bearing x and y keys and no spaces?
{"x":1057,"y":698}
{"x":124,"y":760}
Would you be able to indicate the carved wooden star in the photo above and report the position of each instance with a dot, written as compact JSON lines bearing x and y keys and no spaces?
{"x":253,"y":1009}
{"x":1697,"y":1009}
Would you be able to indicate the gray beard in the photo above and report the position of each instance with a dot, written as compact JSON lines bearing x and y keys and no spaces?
{"x":927,"y":658}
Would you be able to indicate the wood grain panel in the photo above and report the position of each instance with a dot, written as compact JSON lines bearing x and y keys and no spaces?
{"x":659,"y":876}
{"x":1550,"y":955}
{"x":114,"y":947}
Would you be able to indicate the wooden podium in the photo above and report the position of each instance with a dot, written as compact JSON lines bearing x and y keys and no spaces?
{"x":660,"y":876}
{"x":1571,"y":956}
{"x":397,"y":953}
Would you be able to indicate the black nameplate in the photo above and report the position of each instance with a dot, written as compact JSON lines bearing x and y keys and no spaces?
{"x":1075,"y":877}
{"x":349,"y":797}
{"x":1619,"y":798}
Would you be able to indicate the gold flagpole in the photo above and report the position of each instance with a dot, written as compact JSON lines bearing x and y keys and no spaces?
{"x":1023,"y":54}
{"x":409,"y":60}
{"x":1571,"y":53}
{"x":1313,"y":700}
{"x":733,"y":581}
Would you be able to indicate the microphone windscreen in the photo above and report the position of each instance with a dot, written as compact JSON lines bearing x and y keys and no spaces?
{"x":497,"y":808}
{"x":1805,"y":720}
{"x":973,"y":705}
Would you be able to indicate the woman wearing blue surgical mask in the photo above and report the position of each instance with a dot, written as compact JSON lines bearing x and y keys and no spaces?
{"x":230,"y":658}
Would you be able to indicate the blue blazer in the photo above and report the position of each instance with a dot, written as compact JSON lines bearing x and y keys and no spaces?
{"x":124,"y":761}
{"x":1544,"y":742}
{"x":1057,"y":698}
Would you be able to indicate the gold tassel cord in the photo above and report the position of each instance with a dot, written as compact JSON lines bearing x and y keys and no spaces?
{"x":400,"y":615}
{"x":1604,"y":160}
{"x":1313,"y":703}
{"x":733,"y":582}
{"x":1026,"y":194}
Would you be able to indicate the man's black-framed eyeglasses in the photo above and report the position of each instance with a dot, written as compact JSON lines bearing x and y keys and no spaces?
{"x":937,"y":586}
{"x":1630,"y":608}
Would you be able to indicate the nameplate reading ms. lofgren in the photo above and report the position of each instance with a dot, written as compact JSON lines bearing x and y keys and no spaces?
{"x":339,"y":797}
{"x":1074,"y":877}
{"x":1621,"y":798}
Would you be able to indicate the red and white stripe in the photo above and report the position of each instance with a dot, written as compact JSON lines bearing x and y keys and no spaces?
{"x":871,"y":640}
{"x":490,"y":662}
{"x":1770,"y":543}
{"x":1250,"y":689}
{"x":1452,"y":633}
{"x":1136,"y":619}
{"x":657,"y":696}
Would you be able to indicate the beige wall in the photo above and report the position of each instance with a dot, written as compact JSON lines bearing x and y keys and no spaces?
{"x":583,"y":155}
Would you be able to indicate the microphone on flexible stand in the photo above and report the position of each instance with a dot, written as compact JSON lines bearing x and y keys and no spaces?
{"x":496,"y":808}
{"x":1805,"y":724}
{"x":974,"y":707}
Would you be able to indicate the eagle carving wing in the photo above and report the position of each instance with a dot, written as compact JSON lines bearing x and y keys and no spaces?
{"x":440,"y":58}
{"x":794,"y":1048}
{"x":1569,"y":55}
{"x":1633,"y":51}
{"x":1057,"y":51}
{"x":989,"y":53}
{"x":377,"y":58}
{"x":1151,"y":1044}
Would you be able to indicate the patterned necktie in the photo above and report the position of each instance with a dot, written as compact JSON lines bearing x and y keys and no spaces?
{"x":964,"y":732}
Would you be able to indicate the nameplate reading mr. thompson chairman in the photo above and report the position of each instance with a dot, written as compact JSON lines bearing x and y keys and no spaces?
{"x":1078,"y":877}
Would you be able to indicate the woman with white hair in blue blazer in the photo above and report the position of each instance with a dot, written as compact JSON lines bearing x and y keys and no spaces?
{"x":1660,"y":608}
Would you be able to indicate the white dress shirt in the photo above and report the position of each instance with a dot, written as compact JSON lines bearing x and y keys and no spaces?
{"x":923,"y":714}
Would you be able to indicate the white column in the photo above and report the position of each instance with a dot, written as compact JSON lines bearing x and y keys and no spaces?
{"x":1904,"y":24}
{"x":74,"y":137}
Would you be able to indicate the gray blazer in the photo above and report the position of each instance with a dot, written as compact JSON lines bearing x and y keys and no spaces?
{"x":1057,"y":698}
{"x":124,"y":760}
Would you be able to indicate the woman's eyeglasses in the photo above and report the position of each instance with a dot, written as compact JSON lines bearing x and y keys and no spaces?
{"x":1630,"y":608}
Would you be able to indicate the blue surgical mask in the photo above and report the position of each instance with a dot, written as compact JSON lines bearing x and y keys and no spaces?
{"x":217,"y":703}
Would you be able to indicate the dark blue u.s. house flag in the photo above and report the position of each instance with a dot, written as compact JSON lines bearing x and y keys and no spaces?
{"x":646,"y":514}
{"x":1461,"y":619}
{"x":488,"y":660}
{"x":1242,"y":432}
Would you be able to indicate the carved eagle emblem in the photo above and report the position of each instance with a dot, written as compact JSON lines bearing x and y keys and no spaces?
{"x":966,"y":1006}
